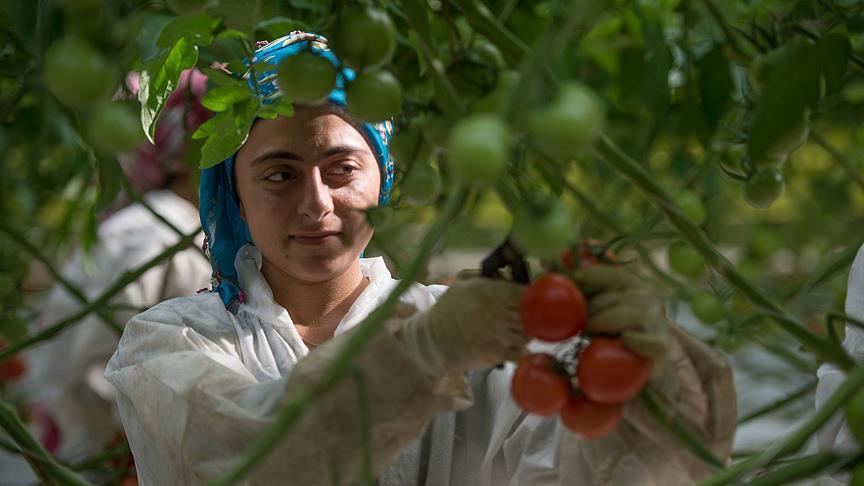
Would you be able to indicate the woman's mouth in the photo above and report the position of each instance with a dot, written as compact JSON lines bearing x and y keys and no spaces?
{"x":315,"y":238}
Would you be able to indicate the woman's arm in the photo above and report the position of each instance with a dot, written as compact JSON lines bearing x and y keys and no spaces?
{"x":191,"y":409}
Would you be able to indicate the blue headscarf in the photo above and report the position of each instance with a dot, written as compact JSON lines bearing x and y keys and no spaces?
{"x":224,"y":229}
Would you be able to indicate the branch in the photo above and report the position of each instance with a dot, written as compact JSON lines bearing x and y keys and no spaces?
{"x":100,"y":302}
{"x":778,"y":404}
{"x":841,"y":159}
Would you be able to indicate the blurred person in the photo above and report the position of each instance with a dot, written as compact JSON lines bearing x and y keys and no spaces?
{"x":199,"y":379}
{"x":72,"y":400}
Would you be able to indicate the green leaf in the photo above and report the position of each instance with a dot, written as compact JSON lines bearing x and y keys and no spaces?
{"x":276,"y":27}
{"x":219,"y":77}
{"x":198,"y":30}
{"x":316,"y":6}
{"x":715,"y":86}
{"x":241,"y":15}
{"x":833,"y":53}
{"x":223,"y":97}
{"x":148,"y":36}
{"x":283,"y":107}
{"x":791,"y":84}
{"x":159,"y":78}
{"x":226,"y":132}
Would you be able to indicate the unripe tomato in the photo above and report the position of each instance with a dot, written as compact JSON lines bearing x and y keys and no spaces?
{"x":685,"y":260}
{"x":765,"y":187}
{"x":363,"y":37}
{"x":570,"y":124}
{"x":113,"y":127}
{"x":479,"y":148}
{"x":590,"y":419}
{"x":855,"y":416}
{"x":692,"y":207}
{"x":493,"y":102}
{"x":538,"y":386}
{"x":422,"y":184}
{"x":707,"y":307}
{"x":374,"y":96}
{"x":610,"y":373}
{"x":306,"y":78}
{"x":12,"y":369}
{"x":544,"y":232}
{"x":187,"y":7}
{"x":77,"y":73}
{"x":553,"y":308}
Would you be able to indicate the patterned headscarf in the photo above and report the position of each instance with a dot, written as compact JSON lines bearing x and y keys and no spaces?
{"x":225,"y":231}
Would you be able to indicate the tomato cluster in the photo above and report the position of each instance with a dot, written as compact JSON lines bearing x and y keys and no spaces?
{"x":589,"y":400}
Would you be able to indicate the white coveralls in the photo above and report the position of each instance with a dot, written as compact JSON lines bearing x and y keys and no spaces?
{"x":67,"y":371}
{"x":835,"y":434}
{"x":197,"y":385}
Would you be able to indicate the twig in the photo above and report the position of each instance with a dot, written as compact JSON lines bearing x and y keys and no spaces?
{"x":778,"y":404}
{"x":673,"y":426}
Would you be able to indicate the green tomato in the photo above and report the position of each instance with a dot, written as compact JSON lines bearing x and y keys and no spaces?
{"x":570,"y":124}
{"x":479,"y":148}
{"x":187,"y":7}
{"x":374,"y":96}
{"x":493,"y":102}
{"x":707,"y":307}
{"x":363,"y":37}
{"x":692,"y":207}
{"x":684,"y":259}
{"x":114,"y":128}
{"x":488,"y":53}
{"x":306,"y":78}
{"x":77,"y":73}
{"x":855,"y":416}
{"x":545,"y":232}
{"x":764,"y":188}
{"x":421,"y":185}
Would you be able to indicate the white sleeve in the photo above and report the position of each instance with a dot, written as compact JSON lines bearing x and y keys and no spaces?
{"x":191,"y":408}
{"x":835,"y":434}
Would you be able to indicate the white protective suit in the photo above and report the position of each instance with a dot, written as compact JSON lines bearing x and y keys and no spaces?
{"x":197,"y":385}
{"x":835,"y":434}
{"x":67,"y":371}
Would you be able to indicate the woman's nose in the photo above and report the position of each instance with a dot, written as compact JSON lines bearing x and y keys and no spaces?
{"x":316,"y":201}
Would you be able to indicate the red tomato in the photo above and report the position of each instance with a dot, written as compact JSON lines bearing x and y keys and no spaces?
{"x":610,"y":373}
{"x":589,"y":255}
{"x":538,"y":387}
{"x":12,"y":369}
{"x":553,"y":308}
{"x":129,"y":481}
{"x":589,"y":419}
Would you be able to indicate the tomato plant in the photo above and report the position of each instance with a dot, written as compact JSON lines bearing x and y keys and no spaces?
{"x":538,"y":387}
{"x":374,"y":96}
{"x":553,"y":308}
{"x":765,"y":187}
{"x":363,"y":37}
{"x":113,"y":127}
{"x":77,"y":73}
{"x":591,"y":252}
{"x":855,"y":416}
{"x":707,"y":307}
{"x":544,"y":232}
{"x":570,"y":123}
{"x":590,"y":419}
{"x":422,"y":184}
{"x":610,"y":373}
{"x":685,"y":260}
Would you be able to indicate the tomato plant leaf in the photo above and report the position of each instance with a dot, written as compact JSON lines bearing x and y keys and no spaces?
{"x":833,"y":52}
{"x":159,"y":78}
{"x":148,"y":36}
{"x":226,"y":132}
{"x":198,"y":29}
{"x":278,"y":26}
{"x":223,"y":97}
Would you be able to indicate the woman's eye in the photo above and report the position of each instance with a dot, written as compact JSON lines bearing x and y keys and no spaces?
{"x":345,"y":169}
{"x":280,"y":176}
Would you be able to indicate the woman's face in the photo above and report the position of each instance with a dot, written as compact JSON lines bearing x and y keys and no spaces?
{"x":304,"y":183}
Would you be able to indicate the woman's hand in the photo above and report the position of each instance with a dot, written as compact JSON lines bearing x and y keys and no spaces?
{"x":474,"y":325}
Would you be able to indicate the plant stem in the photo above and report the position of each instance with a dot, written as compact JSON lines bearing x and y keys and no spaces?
{"x":825,"y":349}
{"x":342,"y":364}
{"x":674,"y":427}
{"x":30,"y":248}
{"x":778,"y":404}
{"x":794,"y":442}
{"x":851,"y":171}
{"x":100,"y":302}
{"x":799,"y":469}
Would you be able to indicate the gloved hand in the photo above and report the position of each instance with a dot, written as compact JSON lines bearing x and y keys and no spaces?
{"x":474,"y":325}
{"x":620,"y":305}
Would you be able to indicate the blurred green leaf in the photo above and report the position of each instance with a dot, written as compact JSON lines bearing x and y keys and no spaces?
{"x":833,"y":53}
{"x":198,"y":30}
{"x":715,"y":85}
{"x":226,"y":132}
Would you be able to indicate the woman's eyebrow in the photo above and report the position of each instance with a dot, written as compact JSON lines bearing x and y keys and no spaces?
{"x":343,"y":150}
{"x":277,"y":154}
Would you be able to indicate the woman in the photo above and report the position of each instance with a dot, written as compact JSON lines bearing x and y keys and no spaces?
{"x":200,"y":378}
